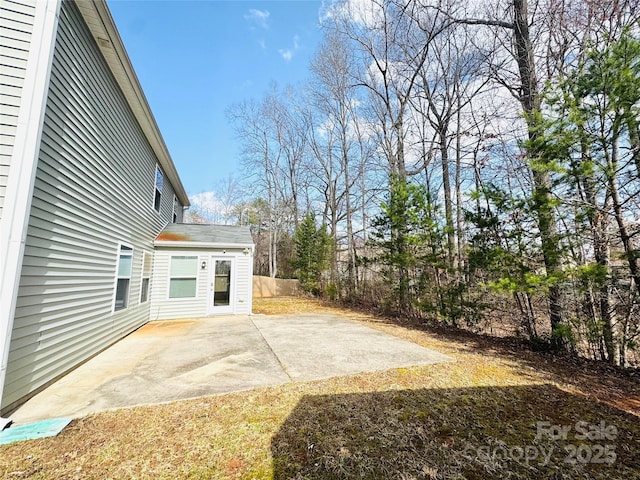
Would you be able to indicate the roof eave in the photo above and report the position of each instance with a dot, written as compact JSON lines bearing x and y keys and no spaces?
{"x":100,"y":22}
{"x":202,"y":245}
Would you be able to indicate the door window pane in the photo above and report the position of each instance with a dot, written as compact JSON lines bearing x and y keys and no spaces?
{"x":222,"y":283}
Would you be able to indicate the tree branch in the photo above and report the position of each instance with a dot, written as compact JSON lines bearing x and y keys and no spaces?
{"x":486,"y":22}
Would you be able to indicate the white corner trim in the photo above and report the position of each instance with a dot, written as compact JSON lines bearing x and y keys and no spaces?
{"x":22,"y":169}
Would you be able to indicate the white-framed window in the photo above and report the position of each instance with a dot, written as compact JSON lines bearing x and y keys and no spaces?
{"x":123,"y":277}
{"x":174,"y":218}
{"x":183,"y":273}
{"x":146,"y":275}
{"x":157,"y":191}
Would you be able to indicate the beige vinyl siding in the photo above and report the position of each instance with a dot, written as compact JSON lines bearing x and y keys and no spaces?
{"x":94,"y":188}
{"x":165,"y":308}
{"x":244,"y":284}
{"x":16,"y":24}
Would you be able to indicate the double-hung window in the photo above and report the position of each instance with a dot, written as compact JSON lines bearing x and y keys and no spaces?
{"x":157,"y":195}
{"x":183,"y":274}
{"x":175,"y":210}
{"x":146,"y":275}
{"x":123,"y":279}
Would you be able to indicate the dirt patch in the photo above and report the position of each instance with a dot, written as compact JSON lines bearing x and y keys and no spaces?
{"x":165,"y":328}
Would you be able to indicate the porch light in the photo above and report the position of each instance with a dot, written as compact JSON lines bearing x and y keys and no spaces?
{"x":203,"y":265}
{"x":246,"y":251}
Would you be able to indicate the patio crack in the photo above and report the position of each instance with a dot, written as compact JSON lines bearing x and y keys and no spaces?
{"x":275,"y":355}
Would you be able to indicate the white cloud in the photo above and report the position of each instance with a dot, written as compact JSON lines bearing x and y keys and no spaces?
{"x":259,"y":18}
{"x":288,"y":53}
{"x":205,"y":206}
{"x":206,"y":200}
{"x":362,"y":12}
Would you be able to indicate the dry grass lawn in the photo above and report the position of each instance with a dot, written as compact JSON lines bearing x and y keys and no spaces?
{"x":480,"y":417}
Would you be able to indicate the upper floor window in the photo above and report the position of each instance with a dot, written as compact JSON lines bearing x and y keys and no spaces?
{"x":158,"y":189}
{"x":123,"y":278}
{"x":174,"y":219}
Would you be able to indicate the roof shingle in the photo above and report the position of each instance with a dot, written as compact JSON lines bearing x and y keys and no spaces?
{"x":200,"y":233}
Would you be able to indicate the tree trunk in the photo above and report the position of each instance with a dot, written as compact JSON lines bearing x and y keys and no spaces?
{"x":351,"y":248}
{"x":333,"y":267}
{"x":400,"y":235}
{"x":530,"y":101}
{"x":542,"y":200}
{"x":599,"y":223}
{"x":273,"y":250}
{"x":458,"y":186}
{"x":448,"y":205}
{"x":630,"y":253}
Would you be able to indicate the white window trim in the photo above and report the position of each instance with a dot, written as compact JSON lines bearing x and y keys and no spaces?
{"x":115,"y":281}
{"x":182,"y":299}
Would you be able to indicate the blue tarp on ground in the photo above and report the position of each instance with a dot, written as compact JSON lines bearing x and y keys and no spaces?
{"x":46,"y":428}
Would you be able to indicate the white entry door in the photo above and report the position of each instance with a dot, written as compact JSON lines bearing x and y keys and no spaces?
{"x":221,"y":291}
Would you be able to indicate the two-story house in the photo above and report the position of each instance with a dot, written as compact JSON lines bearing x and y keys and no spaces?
{"x":91,"y":204}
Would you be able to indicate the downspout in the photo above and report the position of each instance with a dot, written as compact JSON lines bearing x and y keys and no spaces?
{"x":22,"y":169}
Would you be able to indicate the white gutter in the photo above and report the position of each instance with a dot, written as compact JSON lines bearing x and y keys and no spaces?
{"x":22,"y":169}
{"x":203,"y":245}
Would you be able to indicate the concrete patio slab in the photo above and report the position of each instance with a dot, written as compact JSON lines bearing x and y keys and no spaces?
{"x":175,"y":360}
{"x":329,"y":346}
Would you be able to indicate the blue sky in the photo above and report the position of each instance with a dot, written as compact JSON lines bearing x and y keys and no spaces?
{"x":196,"y":58}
